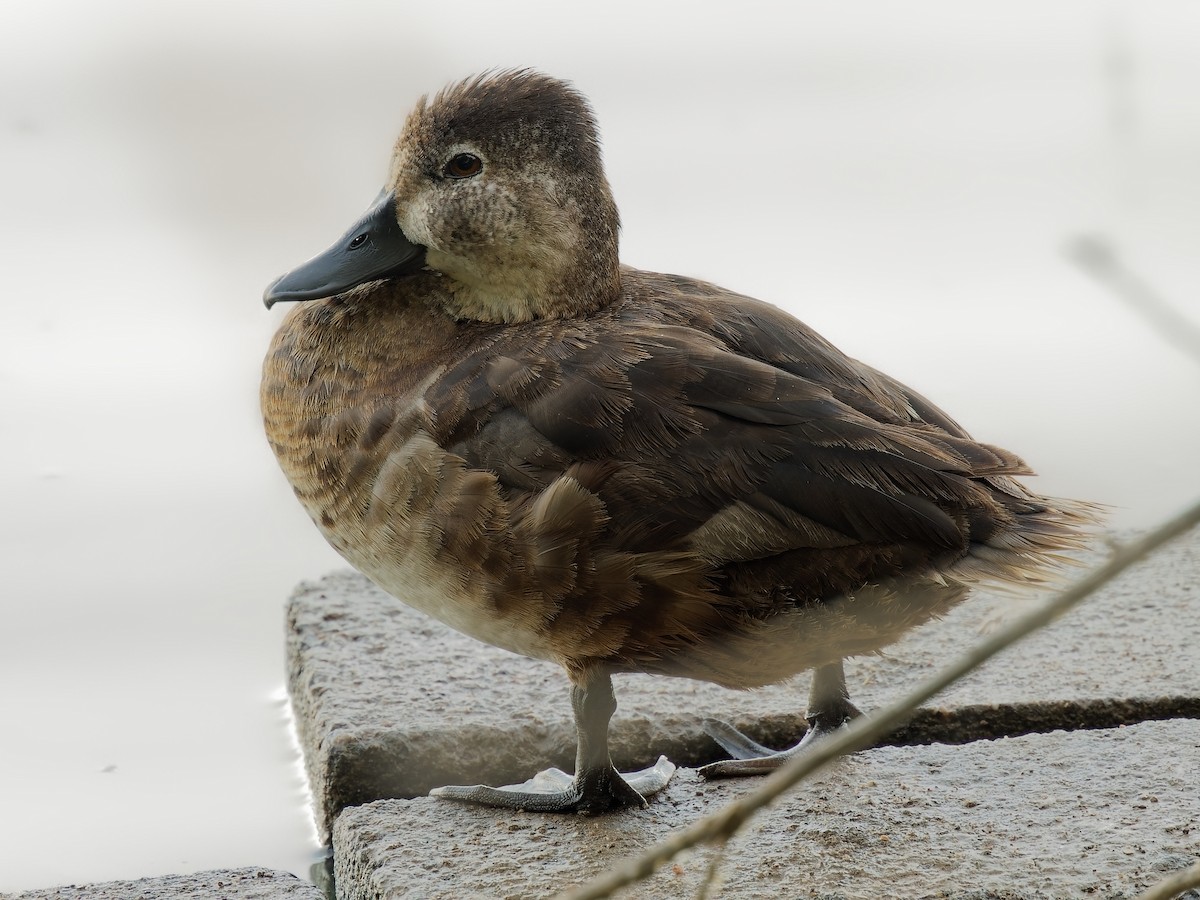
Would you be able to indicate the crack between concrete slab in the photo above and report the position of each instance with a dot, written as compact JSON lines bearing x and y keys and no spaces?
{"x":965,"y":724}
{"x":989,"y":722}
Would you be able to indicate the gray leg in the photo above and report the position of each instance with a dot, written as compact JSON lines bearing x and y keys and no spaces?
{"x":829,"y":708}
{"x":596,"y":787}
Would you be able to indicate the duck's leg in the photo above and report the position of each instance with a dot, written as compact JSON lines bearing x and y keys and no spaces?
{"x":597,"y":787}
{"x":829,"y":708}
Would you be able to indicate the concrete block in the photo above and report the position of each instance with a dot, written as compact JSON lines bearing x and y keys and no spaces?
{"x":222,"y":884}
{"x":1102,"y":813}
{"x":390,"y":703}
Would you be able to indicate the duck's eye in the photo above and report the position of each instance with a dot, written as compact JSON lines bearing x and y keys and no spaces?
{"x":463,"y":165}
{"x":359,"y":241}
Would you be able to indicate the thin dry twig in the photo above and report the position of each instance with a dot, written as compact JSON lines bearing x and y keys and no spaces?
{"x":1174,"y":884}
{"x":711,"y":885}
{"x":1096,"y":255}
{"x":865,"y":731}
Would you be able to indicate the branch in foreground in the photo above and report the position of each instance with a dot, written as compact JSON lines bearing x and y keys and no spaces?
{"x":1098,"y":257}
{"x":865,"y":731}
{"x":1174,"y":884}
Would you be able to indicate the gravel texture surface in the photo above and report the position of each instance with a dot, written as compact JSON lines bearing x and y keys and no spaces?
{"x":1067,"y":814}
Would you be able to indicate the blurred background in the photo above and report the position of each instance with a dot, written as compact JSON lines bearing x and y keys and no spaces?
{"x":904,"y":177}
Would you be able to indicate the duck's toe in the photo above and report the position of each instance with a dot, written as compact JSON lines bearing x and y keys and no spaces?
{"x":733,"y":742}
{"x":752,"y":758}
{"x":749,"y":757}
{"x":591,"y":793}
{"x":650,"y":781}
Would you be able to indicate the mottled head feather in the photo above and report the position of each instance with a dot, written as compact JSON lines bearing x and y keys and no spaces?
{"x":534,"y":234}
{"x":516,"y":108}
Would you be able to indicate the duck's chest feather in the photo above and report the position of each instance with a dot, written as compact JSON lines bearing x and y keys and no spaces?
{"x":374,"y":405}
{"x":344,"y":408}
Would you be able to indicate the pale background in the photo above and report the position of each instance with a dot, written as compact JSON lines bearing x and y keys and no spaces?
{"x":903,"y":176}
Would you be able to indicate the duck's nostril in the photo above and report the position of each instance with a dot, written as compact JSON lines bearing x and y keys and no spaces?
{"x":360,"y":240}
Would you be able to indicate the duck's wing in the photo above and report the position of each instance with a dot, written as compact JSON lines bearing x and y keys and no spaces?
{"x":708,"y":439}
{"x":657,"y":480}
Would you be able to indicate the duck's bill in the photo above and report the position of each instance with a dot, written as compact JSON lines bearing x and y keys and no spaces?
{"x":373,"y":248}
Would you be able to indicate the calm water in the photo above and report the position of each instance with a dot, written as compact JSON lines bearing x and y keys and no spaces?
{"x":905,"y":183}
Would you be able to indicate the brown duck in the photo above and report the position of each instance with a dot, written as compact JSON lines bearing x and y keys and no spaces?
{"x":616,"y":470}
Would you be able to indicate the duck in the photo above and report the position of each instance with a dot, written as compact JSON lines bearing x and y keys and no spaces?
{"x":619,"y":471}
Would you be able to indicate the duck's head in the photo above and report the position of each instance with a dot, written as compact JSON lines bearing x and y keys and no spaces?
{"x":497,"y":184}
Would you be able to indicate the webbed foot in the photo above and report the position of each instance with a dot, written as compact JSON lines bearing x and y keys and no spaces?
{"x":591,"y":793}
{"x":751,"y":757}
{"x":829,"y":709}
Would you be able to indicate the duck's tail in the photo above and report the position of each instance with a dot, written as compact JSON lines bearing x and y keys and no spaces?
{"x":1040,"y":544}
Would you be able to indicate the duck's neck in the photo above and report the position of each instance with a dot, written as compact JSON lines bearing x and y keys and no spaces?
{"x":528,"y":294}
